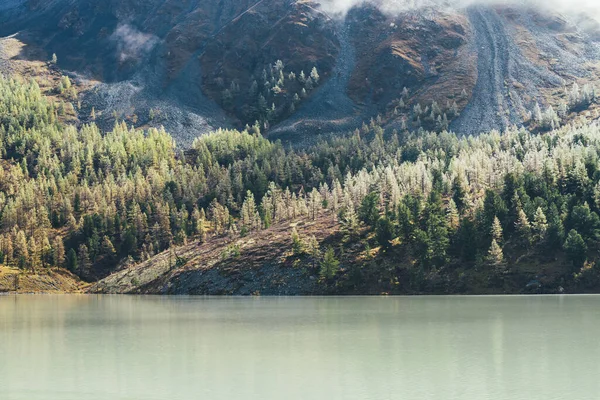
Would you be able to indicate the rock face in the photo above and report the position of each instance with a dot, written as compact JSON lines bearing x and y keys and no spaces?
{"x":194,"y":65}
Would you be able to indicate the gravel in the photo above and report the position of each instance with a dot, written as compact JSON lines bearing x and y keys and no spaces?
{"x":329,"y":109}
{"x":490,"y":106}
{"x":509,"y":84}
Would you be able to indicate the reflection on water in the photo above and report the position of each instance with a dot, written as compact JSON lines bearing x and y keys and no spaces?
{"x":118,"y":347}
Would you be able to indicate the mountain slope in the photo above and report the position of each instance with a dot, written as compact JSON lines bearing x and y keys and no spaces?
{"x":195,"y":65}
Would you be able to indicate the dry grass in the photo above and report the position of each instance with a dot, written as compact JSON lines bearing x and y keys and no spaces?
{"x":230,"y":256}
{"x":54,"y":280}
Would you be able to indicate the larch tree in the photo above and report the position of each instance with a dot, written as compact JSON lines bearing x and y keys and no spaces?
{"x":330,"y":264}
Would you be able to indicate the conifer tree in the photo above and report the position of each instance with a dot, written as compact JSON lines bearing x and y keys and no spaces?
{"x":330,"y":264}
{"x":313,"y":249}
{"x":495,"y":257}
{"x":453,"y":216}
{"x":349,"y":223}
{"x":21,"y":250}
{"x":576,"y":249}
{"x":539,"y":225}
{"x":297,"y":243}
{"x":314,"y":75}
{"x":72,"y":262}
{"x":108,"y":249}
{"x":496,"y":231}
{"x":384,"y":233}
{"x":523,"y":228}
{"x":248,"y":214}
{"x":84,"y":263}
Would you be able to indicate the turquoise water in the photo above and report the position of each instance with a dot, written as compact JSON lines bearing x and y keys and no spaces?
{"x":118,"y":347}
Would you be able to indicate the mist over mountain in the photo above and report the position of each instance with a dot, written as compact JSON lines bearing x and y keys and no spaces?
{"x":298,"y":146}
{"x":197,"y":65}
{"x":589,"y":7}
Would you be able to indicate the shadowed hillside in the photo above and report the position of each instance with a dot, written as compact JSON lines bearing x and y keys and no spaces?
{"x":194,"y":66}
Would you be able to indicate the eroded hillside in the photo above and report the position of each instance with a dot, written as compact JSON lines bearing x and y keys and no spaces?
{"x":195,"y":65}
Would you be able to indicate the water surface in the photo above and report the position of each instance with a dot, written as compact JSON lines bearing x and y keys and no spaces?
{"x":144,"y":348}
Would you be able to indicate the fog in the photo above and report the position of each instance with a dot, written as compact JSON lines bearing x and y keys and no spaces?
{"x":131,"y":43}
{"x":589,"y":7}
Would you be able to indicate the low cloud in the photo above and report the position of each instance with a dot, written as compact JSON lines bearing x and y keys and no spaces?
{"x":133,"y":44}
{"x":340,"y":7}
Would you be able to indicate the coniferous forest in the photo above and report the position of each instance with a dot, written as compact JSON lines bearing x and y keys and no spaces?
{"x":432,"y":210}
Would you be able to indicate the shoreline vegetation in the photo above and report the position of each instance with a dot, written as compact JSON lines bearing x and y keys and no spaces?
{"x":48,"y":281}
{"x":370,"y":212}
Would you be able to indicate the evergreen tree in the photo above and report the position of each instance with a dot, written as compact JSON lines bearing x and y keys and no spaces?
{"x":385,"y":233}
{"x":314,"y":75}
{"x":576,"y":249}
{"x":495,"y":257}
{"x":313,"y":249}
{"x":330,"y":264}
{"x":523,"y":228}
{"x":369,"y":211}
{"x":108,"y":249}
{"x":297,"y":243}
{"x":539,"y":225}
{"x":349,"y":223}
{"x":21,"y":250}
{"x":249,"y":212}
{"x":497,"y":231}
{"x":84,"y":263}
{"x":72,"y":262}
{"x":453,"y":216}
{"x":555,"y":234}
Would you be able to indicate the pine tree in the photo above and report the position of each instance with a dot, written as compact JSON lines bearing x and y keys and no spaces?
{"x":248,"y":213}
{"x":314,"y":75}
{"x":219,"y":217}
{"x":349,"y":223}
{"x":71,"y":263}
{"x":108,"y":249}
{"x":201,"y":227}
{"x":459,"y":194}
{"x":313,"y":249}
{"x":576,"y":249}
{"x":555,"y":233}
{"x":453,"y":216}
{"x":523,"y":228}
{"x":384,"y":233}
{"x":563,"y":110}
{"x":84,"y":263}
{"x":495,"y":257}
{"x":496,"y":231}
{"x":314,"y":201}
{"x":369,"y":211}
{"x":537,"y":113}
{"x":297,"y":243}
{"x":539,"y":225}
{"x":330,"y":264}
{"x":8,"y":250}
{"x":34,"y":254}
{"x":21,"y":250}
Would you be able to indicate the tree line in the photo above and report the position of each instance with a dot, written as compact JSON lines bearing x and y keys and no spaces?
{"x":90,"y":200}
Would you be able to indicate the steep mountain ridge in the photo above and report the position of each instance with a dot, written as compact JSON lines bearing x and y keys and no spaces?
{"x":194,"y":65}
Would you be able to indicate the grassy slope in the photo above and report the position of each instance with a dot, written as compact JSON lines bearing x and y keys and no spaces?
{"x":55,"y":280}
{"x":265,"y":265}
